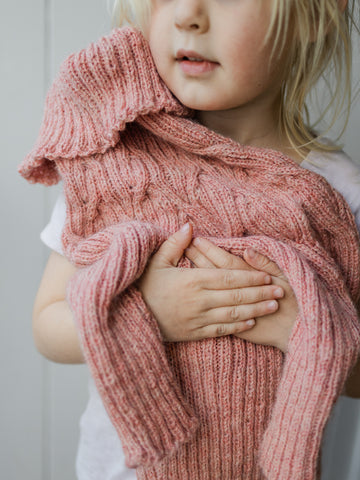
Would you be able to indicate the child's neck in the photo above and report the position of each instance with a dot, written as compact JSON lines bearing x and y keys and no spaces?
{"x":247,"y":127}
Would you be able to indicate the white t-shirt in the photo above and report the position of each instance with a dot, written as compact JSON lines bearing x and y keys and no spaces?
{"x":100,"y":455}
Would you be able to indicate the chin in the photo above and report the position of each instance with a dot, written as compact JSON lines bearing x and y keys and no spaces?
{"x":205,"y":106}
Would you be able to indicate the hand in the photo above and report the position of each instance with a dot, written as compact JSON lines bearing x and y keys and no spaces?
{"x":197,"y":303}
{"x":271,"y":329}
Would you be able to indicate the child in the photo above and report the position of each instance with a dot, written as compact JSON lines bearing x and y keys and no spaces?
{"x":201,"y":409}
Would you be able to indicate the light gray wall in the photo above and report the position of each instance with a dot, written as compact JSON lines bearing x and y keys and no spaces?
{"x":41,"y":402}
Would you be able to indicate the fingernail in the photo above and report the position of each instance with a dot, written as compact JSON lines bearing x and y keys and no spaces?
{"x":278,"y":292}
{"x":251,"y":252}
{"x":272,"y":305}
{"x":250,"y":322}
{"x":196,"y":241}
{"x":267,"y":279}
{"x":185,"y":228}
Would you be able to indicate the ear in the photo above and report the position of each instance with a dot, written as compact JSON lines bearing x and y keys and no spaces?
{"x":342,"y":4}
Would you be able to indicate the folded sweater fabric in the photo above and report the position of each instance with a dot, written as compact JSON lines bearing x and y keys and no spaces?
{"x":136,"y":165}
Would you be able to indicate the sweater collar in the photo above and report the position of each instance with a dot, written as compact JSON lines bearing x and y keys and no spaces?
{"x":113,"y":82}
{"x":116,"y":81}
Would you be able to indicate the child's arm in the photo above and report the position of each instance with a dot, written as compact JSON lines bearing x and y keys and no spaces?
{"x":54,"y":331}
{"x":56,"y":336}
{"x":196,"y":317}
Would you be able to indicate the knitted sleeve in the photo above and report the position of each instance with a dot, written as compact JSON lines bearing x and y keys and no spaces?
{"x":323,"y":346}
{"x":123,"y":346}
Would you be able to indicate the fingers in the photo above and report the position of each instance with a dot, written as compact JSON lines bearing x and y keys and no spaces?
{"x":232,"y":320}
{"x":198,"y":258}
{"x":221,"y":329}
{"x":242,"y":296}
{"x":221,"y":279}
{"x":261,"y":262}
{"x":173,"y":248}
{"x":205,"y":254}
{"x":238,"y":313}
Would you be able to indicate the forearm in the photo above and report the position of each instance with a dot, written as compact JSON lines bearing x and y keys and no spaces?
{"x":55,"y":334}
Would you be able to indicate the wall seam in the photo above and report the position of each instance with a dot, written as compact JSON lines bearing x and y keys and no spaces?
{"x":46,"y":397}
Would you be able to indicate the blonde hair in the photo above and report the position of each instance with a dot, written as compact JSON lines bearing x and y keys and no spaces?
{"x":319,"y":46}
{"x":131,"y":12}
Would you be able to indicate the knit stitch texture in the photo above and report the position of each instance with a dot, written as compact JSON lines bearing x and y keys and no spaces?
{"x":136,"y":166}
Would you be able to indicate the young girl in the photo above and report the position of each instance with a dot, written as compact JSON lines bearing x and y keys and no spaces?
{"x":239,"y":72}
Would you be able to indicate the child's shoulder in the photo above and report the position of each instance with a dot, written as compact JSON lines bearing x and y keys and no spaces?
{"x":337,"y":164}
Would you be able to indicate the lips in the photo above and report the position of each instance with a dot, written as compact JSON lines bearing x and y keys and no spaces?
{"x":194,"y":64}
{"x":191,"y":55}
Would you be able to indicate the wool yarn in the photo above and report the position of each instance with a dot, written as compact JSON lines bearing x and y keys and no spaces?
{"x":136,"y":165}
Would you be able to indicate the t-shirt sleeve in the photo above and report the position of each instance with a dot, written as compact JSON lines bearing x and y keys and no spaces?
{"x":342,"y":173}
{"x":51,"y":235}
{"x":348,"y":184}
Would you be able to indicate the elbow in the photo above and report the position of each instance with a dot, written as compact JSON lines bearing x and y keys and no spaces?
{"x":40,"y":334}
{"x":55,"y":336}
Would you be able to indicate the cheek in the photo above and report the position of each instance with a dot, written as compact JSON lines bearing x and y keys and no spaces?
{"x":249,"y":63}
{"x":245,"y":46}
{"x":161,"y":56}
{"x":157,"y":41}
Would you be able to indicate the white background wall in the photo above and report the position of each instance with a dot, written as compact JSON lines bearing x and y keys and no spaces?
{"x":40,"y":402}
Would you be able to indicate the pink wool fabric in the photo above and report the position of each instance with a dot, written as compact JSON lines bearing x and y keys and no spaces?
{"x":136,"y":166}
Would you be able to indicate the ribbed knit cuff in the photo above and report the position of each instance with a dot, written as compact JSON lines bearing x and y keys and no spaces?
{"x":134,"y":380}
{"x":158,"y":417}
{"x":322,"y":347}
{"x":123,"y":346}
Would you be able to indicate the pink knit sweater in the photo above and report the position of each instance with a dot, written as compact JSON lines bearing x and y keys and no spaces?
{"x":136,"y":166}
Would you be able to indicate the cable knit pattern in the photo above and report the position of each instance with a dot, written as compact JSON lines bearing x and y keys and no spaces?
{"x":136,"y":165}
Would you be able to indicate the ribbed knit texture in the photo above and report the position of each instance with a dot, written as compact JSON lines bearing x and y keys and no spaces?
{"x":136,"y":165}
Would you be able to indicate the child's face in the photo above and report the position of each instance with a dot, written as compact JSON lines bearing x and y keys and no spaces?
{"x":229,"y":33}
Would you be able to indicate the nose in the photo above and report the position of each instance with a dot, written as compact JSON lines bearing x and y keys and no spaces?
{"x":191,"y":15}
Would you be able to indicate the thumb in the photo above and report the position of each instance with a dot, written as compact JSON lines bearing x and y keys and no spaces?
{"x":263,"y":263}
{"x":173,"y":248}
